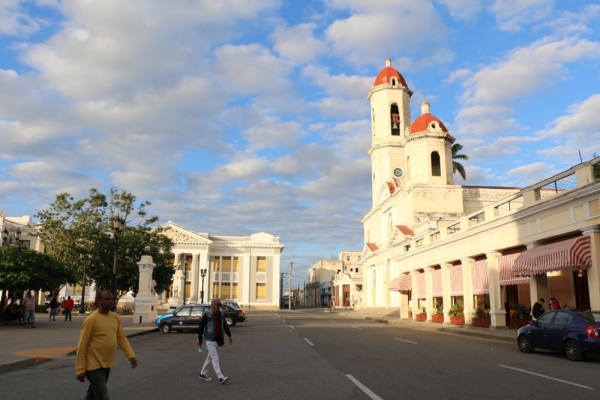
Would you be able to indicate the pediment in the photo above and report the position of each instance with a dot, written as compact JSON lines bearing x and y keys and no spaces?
{"x":180,"y":235}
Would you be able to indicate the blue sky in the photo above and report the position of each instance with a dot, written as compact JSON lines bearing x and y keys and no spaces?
{"x":235,"y":117}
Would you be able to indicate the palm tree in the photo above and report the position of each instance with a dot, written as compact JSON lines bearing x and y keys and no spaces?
{"x":456,"y":166}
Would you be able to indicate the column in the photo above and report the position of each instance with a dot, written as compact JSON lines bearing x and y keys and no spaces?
{"x":446,"y":297}
{"x":415,"y":293}
{"x":195,"y":276}
{"x":467,"y":272}
{"x":428,"y":293}
{"x":246,"y":283}
{"x":497,"y":311}
{"x":593,"y":273}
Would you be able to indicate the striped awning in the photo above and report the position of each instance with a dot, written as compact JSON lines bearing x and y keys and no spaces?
{"x":403,"y":283}
{"x":506,"y":264}
{"x":436,"y":283}
{"x":421,"y":294}
{"x":456,"y":280}
{"x":480,"y":277}
{"x":571,"y":253}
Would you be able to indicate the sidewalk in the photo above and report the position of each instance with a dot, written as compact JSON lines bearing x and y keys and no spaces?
{"x":502,"y":334}
{"x":22,"y":347}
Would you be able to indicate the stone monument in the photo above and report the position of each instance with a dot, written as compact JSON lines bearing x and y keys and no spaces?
{"x":146,"y":301}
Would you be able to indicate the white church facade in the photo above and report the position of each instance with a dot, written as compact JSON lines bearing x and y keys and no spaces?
{"x":430,"y":244}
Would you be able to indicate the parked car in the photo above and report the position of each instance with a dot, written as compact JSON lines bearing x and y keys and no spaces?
{"x":188,"y":317}
{"x":285,"y":302}
{"x":232,"y":303}
{"x":570,"y":331}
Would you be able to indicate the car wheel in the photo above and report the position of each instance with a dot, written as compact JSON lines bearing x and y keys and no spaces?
{"x":524,"y":344}
{"x":229,"y":321}
{"x":573,"y":351}
{"x":165,"y":328}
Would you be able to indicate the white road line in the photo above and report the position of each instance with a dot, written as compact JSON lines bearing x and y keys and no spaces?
{"x":356,"y":327}
{"x":331,"y":320}
{"x":547,"y":377}
{"x":365,"y":389}
{"x":292,"y":327}
{"x":407,"y":341}
{"x":309,"y":342}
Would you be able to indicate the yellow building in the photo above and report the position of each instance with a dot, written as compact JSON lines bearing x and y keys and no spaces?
{"x":431,"y":244}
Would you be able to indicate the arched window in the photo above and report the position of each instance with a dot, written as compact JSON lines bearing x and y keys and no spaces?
{"x":436,"y":169}
{"x":395,"y":120}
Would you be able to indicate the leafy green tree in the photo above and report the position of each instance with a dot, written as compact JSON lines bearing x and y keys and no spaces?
{"x":23,"y":269}
{"x":456,"y":166}
{"x":78,"y":231}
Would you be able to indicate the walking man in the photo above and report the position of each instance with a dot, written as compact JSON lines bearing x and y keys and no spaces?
{"x":69,"y":303}
{"x":212,"y":326}
{"x":29,"y":310}
{"x":100,"y":335}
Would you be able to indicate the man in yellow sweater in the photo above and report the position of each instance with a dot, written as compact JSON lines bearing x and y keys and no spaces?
{"x":100,"y":334}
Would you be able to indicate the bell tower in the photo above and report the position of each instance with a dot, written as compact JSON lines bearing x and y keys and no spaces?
{"x":390,"y":122}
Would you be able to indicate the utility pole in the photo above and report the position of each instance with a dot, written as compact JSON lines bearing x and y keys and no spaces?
{"x":290,"y":287}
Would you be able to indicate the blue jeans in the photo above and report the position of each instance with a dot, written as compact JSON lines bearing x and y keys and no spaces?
{"x":30,"y":317}
{"x":98,"y":379}
{"x":68,"y":313}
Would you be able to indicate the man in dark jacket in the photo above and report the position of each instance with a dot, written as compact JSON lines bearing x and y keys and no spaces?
{"x":538,"y":309}
{"x":212,"y":326}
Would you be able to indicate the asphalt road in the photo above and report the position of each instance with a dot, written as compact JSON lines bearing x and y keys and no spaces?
{"x":312,"y":355}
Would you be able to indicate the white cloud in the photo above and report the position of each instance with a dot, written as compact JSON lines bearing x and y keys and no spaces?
{"x":512,"y":15}
{"x":298,"y":43}
{"x":532,"y":173}
{"x":15,"y":21}
{"x":463,"y":9}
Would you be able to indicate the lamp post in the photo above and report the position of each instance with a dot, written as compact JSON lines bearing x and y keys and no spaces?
{"x":202,"y":274}
{"x":84,"y":260}
{"x":118,"y":227}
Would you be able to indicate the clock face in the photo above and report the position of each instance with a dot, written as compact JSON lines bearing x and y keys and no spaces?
{"x":398,"y":172}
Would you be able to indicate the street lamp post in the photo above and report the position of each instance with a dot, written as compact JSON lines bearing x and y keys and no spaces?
{"x":202,"y":274}
{"x":84,"y":259}
{"x":118,"y":227}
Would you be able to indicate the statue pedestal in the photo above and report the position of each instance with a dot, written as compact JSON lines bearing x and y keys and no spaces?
{"x":146,"y":301}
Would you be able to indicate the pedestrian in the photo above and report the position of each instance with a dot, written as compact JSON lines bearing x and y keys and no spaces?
{"x":212,"y":326}
{"x":29,"y":310}
{"x":554,"y":305}
{"x":100,"y":335}
{"x":53,"y":308}
{"x":69,"y":303}
{"x":538,"y":309}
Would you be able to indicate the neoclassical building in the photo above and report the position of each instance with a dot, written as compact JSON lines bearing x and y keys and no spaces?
{"x":430,"y":243}
{"x":241,"y":268}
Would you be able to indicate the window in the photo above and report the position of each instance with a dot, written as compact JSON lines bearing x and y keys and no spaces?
{"x":225,"y":290}
{"x":261,"y":291}
{"x":216,"y":292}
{"x":347,"y":258}
{"x":226,"y":267}
{"x":234,"y":291}
{"x":356,"y":269}
{"x":236,"y":264}
{"x":562,"y":318}
{"x":436,"y":169}
{"x":197,"y":311}
{"x":216,"y":264}
{"x":261,"y":264}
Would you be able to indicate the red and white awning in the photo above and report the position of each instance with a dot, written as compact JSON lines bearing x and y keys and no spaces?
{"x":456,"y":280}
{"x":480,"y":277}
{"x":436,"y":283}
{"x":506,"y":264}
{"x":403,"y":283}
{"x":572,"y":253}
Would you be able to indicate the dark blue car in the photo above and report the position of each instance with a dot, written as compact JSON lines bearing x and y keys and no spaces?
{"x":573,"y":332}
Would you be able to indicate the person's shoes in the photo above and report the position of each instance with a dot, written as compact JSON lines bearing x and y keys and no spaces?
{"x":204,"y":378}
{"x":223,"y":380}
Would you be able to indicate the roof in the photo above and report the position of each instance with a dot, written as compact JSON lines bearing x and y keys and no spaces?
{"x":372,"y":246}
{"x":387,"y":73}
{"x":427,"y":122}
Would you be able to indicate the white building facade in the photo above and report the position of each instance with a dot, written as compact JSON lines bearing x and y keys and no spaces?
{"x":430,"y":243}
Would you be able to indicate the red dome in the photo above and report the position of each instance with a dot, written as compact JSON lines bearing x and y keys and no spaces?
{"x":386,"y":75}
{"x":425,"y":120}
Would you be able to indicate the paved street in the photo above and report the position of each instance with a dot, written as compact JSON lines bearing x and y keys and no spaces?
{"x":311,"y":354}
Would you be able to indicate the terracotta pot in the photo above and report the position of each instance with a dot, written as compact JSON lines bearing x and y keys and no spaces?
{"x":421,"y":317}
{"x":437,"y":318}
{"x":483,"y":322}
{"x":457,"y":320}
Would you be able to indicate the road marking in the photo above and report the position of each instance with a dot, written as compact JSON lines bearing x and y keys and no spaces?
{"x":331,"y":320}
{"x":547,"y":377}
{"x":292,"y":327}
{"x":407,"y":341}
{"x":356,"y":327}
{"x":308,"y":341}
{"x":365,"y":389}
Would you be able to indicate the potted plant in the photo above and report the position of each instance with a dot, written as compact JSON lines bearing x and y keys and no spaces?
{"x":520,"y":317}
{"x":438,"y":315}
{"x":457,"y":313}
{"x":422,"y":316}
{"x":481,"y":318}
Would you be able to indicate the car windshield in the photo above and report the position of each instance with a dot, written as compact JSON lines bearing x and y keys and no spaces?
{"x":589,"y":317}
